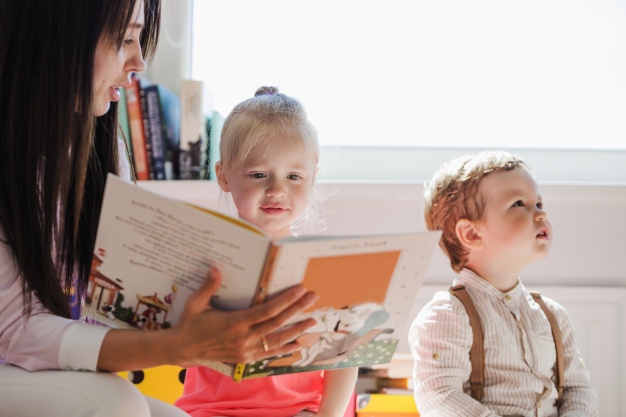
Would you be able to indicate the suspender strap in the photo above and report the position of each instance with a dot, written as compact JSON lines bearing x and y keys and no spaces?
{"x":558,"y":342}
{"x":477,"y":352}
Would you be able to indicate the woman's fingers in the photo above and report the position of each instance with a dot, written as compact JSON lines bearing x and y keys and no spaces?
{"x":283,"y":341}
{"x":204,"y":333}
{"x":276,"y":311}
{"x":199,"y":300}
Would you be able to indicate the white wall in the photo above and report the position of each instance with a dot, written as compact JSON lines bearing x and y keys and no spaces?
{"x":589,"y":224}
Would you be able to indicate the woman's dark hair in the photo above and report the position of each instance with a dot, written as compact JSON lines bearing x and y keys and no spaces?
{"x":54,"y":154}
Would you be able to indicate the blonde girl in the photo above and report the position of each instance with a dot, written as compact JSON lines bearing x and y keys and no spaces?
{"x":269,"y":156}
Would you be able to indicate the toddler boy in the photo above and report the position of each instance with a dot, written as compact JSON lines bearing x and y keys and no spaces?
{"x":490,"y":210}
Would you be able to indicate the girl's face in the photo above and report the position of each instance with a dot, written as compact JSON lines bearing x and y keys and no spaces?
{"x":114,"y":65}
{"x":271,"y":189}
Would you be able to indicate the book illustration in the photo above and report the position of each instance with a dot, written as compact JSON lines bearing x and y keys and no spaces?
{"x":105,"y":302}
{"x":152,"y":252}
{"x":341,"y":330}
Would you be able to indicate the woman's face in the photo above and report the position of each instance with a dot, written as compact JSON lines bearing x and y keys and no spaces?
{"x":115,"y":63}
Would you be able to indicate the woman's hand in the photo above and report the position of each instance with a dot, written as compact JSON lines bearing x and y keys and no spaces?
{"x":206,"y":334}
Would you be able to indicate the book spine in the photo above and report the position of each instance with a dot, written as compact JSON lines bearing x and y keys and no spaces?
{"x":135,"y":124}
{"x":264,"y":280}
{"x":238,"y":371}
{"x":170,"y":118}
{"x":143,"y":104}
{"x":153,"y":124}
{"x":194,"y":106}
{"x":260,"y":296}
{"x":122,"y":119}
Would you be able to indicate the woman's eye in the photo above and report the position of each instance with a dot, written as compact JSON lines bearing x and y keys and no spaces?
{"x":128,"y":42}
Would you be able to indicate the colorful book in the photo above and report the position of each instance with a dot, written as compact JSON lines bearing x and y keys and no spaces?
{"x":170,"y":118}
{"x":137,"y":134}
{"x":153,"y":126}
{"x":385,"y":405}
{"x":152,"y":252}
{"x":122,"y":119}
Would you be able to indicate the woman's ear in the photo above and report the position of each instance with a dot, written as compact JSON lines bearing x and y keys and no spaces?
{"x":221,"y":177}
{"x":468,"y":234}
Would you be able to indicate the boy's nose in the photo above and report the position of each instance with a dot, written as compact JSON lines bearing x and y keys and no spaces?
{"x":541,"y":215}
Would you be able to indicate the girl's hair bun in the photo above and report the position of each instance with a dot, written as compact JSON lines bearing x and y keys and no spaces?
{"x":262,"y":91}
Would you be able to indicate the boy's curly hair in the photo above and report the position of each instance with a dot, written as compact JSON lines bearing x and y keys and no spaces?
{"x":452,"y":195}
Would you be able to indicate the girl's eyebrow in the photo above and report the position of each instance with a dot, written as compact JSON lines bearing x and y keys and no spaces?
{"x":136,"y":26}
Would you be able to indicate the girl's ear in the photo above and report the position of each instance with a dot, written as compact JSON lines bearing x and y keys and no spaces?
{"x":221,"y":177}
{"x":468,"y":234}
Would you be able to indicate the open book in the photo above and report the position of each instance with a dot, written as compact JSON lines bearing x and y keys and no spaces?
{"x":152,"y":252}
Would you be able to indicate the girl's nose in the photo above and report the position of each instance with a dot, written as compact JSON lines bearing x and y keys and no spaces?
{"x":275,"y":189}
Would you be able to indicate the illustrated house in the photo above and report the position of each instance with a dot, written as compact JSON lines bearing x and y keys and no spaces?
{"x":101,"y":290}
{"x":148,"y":318}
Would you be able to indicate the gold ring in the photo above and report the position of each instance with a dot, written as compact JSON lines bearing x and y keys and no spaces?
{"x":266,"y":347}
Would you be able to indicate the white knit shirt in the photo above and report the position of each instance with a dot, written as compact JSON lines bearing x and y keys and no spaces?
{"x":519,"y":356}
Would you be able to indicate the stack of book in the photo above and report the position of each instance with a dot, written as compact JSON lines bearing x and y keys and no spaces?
{"x":169,"y":136}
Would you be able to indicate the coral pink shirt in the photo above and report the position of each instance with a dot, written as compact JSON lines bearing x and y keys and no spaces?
{"x":208,"y":393}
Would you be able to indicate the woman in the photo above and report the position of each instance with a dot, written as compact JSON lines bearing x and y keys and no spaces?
{"x":62,"y":64}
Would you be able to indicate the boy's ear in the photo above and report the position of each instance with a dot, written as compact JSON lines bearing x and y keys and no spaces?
{"x":468,"y":235}
{"x":221,"y":177}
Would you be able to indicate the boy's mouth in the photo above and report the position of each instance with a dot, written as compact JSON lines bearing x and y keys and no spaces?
{"x":542,"y":234}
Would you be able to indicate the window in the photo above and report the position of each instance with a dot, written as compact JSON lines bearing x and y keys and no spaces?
{"x":395,"y":88}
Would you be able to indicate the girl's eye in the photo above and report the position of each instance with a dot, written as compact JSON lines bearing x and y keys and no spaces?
{"x":294,"y":177}
{"x":128,"y":42}
{"x":518,"y":203}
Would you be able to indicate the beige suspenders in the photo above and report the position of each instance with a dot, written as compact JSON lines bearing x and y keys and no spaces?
{"x":477,"y":352}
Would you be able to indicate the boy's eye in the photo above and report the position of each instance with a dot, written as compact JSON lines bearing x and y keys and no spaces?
{"x":518,"y":203}
{"x":258,"y":175}
{"x":540,"y":205}
{"x":294,"y":177}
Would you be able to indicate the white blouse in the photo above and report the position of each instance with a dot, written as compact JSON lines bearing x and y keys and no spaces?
{"x":43,"y":340}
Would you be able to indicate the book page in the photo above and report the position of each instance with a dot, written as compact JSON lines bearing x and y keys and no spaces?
{"x":152,"y":252}
{"x":366,"y":287}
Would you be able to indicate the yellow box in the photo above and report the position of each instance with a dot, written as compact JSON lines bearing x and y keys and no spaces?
{"x":385,"y":405}
{"x":162,"y":382}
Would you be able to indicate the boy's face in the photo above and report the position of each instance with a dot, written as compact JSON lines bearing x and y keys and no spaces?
{"x":272,"y":189}
{"x":514,"y":228}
